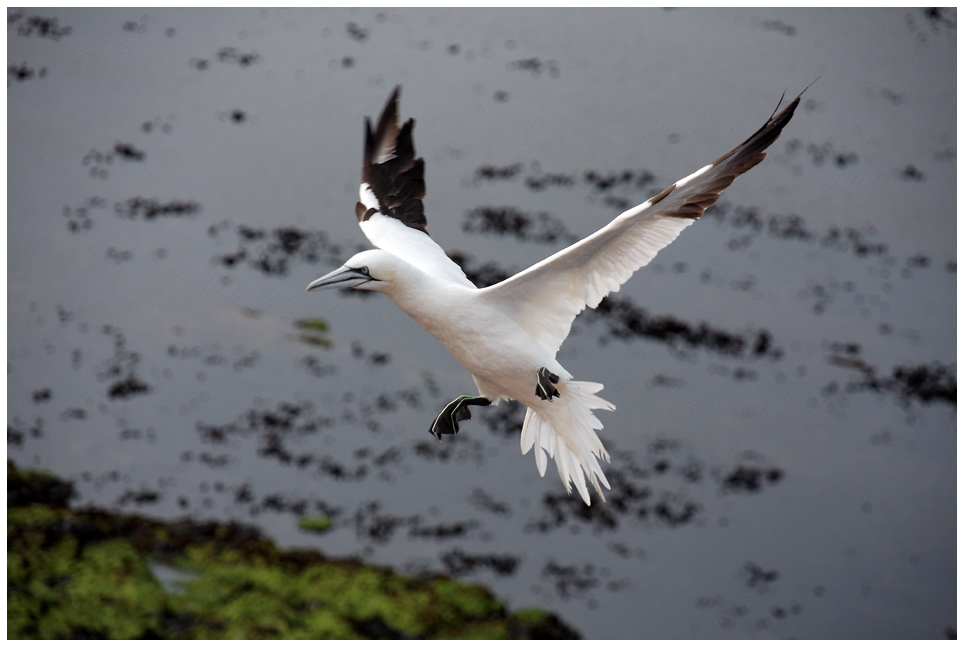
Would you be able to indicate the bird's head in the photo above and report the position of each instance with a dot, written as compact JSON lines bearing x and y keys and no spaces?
{"x":369,"y":270}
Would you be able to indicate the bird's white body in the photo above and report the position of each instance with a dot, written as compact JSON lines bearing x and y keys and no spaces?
{"x":506,"y":333}
{"x":487,"y":339}
{"x":501,"y":356}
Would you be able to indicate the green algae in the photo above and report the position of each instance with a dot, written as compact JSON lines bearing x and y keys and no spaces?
{"x":314,"y":524}
{"x":85,"y":574}
{"x":314,"y":332}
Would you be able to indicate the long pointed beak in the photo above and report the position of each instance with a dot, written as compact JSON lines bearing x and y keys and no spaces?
{"x":344,"y":277}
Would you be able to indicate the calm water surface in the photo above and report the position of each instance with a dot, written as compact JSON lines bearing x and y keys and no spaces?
{"x":783,"y":448}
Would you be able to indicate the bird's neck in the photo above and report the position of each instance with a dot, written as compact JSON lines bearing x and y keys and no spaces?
{"x":426,"y":299}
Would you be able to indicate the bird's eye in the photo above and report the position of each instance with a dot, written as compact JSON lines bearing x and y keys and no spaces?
{"x":364,"y":270}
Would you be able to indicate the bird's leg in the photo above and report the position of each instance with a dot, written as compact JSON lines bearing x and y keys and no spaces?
{"x":545,"y":379}
{"x":448,"y":420}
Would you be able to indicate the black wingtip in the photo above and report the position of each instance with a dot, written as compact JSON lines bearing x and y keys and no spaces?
{"x":791,"y":106}
{"x":391,"y":169}
{"x":779,"y":102}
{"x":391,"y":110}
{"x":767,"y":133}
{"x":384,"y":134}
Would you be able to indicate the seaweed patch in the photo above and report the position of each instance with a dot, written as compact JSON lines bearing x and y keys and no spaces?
{"x":508,"y":221}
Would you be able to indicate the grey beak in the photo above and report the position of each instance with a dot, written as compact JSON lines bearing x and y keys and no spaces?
{"x":344,"y":277}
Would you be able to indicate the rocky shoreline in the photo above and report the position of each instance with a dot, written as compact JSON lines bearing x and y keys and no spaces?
{"x":94,"y":574}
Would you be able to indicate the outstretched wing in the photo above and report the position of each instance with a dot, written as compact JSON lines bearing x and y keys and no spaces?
{"x":390,"y":210}
{"x":546,"y":297}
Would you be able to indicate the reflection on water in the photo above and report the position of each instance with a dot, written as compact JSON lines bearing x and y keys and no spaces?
{"x":783,"y":446}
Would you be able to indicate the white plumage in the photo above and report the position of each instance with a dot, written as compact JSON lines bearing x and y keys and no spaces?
{"x":507,"y":335}
{"x":417,"y":248}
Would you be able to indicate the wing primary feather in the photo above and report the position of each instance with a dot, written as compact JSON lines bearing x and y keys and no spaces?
{"x":766,"y":134}
{"x":391,"y":171}
{"x":663,"y":194}
{"x":380,"y":145}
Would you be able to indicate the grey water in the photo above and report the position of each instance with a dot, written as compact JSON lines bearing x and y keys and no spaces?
{"x":784,"y":374}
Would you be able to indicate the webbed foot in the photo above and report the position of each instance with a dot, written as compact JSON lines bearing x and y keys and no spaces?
{"x":545,"y":379}
{"x":448,"y":420}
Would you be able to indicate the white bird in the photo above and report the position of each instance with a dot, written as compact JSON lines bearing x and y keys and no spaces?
{"x":507,"y":335}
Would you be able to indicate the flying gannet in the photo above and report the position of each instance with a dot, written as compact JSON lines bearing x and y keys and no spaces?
{"x":507,"y":334}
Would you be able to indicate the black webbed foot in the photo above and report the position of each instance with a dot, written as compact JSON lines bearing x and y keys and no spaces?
{"x":545,"y":379}
{"x":448,"y":420}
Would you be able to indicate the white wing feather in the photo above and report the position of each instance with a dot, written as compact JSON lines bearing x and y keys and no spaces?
{"x":546,"y":297}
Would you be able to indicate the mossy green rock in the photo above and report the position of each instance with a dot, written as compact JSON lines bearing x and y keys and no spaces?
{"x":85,"y":574}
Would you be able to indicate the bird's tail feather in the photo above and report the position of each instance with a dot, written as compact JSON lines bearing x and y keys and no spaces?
{"x":564,"y":430}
